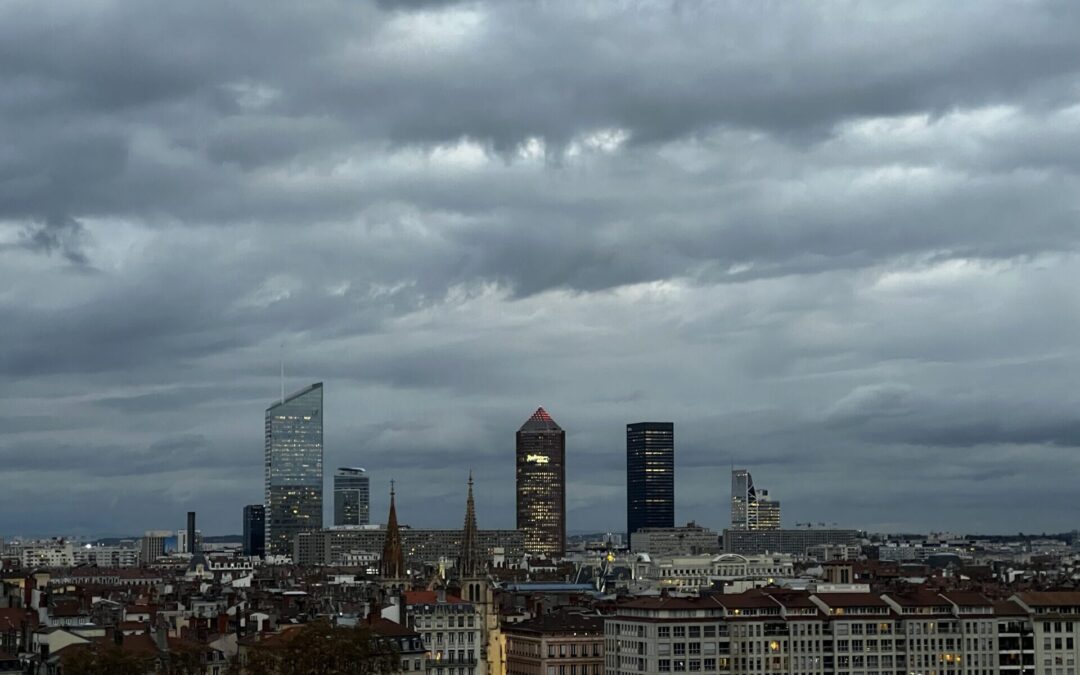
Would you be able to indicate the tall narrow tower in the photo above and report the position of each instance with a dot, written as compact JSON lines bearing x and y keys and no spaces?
{"x":294,"y":468}
{"x":541,"y":484}
{"x":471,"y":563}
{"x":392,"y":563}
{"x":650,"y":475}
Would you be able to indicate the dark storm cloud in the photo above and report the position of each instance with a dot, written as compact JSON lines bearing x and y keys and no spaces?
{"x":828,"y":241}
{"x":892,"y":413}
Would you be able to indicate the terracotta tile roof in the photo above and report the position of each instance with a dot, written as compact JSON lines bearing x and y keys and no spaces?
{"x":562,"y":621}
{"x":671,"y":603}
{"x":791,"y":599}
{"x":747,"y":600}
{"x":1050,"y":598}
{"x":387,"y":628}
{"x":918,"y":598}
{"x":851,"y":600}
{"x":429,"y":598}
{"x":968,"y":598}
{"x":1008,"y":608}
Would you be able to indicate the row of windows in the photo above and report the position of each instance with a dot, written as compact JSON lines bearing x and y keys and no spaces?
{"x":576,"y":669}
{"x":692,"y":665}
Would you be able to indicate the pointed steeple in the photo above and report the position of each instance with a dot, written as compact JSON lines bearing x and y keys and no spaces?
{"x":470,"y":564}
{"x":392,"y":564}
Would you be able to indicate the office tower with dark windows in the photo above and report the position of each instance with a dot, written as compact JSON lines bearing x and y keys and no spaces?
{"x":650,"y":475}
{"x":751,"y":508}
{"x":541,"y":485}
{"x":255,"y":530}
{"x":352,"y":497}
{"x":294,"y":468}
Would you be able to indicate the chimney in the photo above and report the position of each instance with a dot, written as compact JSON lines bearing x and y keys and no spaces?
{"x":191,"y":532}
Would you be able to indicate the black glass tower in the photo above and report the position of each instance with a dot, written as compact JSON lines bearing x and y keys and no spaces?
{"x":650,"y":475}
{"x":255,"y":530}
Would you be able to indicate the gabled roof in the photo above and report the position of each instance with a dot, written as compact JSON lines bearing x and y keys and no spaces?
{"x":540,"y":421}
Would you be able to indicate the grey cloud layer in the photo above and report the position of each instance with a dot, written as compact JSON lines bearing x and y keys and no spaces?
{"x":826,"y":240}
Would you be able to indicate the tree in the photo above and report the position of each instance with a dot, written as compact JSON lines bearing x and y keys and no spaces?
{"x":104,"y":661}
{"x":320,"y":648}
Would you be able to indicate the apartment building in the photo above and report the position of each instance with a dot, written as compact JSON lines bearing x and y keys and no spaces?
{"x":773,"y":631}
{"x":560,"y":643}
{"x":452,"y":630}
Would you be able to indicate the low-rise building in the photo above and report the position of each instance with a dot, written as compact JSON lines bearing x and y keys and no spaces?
{"x":566,"y":642}
{"x":691,"y":539}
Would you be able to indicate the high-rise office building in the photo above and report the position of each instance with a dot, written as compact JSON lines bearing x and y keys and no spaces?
{"x":541,"y":484}
{"x":352,"y":497}
{"x":751,"y":508}
{"x":255,"y":530}
{"x":650,"y":475}
{"x":294,"y":468}
{"x":152,"y":545}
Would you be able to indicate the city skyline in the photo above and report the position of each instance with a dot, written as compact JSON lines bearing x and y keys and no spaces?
{"x":833,"y":243}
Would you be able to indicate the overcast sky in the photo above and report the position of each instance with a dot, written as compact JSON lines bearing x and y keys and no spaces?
{"x":835,"y":243}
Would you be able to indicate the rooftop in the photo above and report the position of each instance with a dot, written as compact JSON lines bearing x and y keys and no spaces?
{"x":540,"y":421}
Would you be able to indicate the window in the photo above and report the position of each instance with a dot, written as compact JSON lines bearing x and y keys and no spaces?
{"x":680,"y":648}
{"x":709,"y":631}
{"x":710,"y":664}
{"x":664,"y":665}
{"x":680,"y":631}
{"x":695,"y":648}
{"x":663,"y":631}
{"x":695,"y":631}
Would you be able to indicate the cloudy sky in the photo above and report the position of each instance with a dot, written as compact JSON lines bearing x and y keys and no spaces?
{"x":834,"y":242}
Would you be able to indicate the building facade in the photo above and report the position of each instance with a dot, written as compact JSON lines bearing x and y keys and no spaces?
{"x":419,"y":547}
{"x":294,"y":468}
{"x":352,"y":497}
{"x":255,"y":530}
{"x":650,"y":475}
{"x":794,"y":542}
{"x":566,"y":642}
{"x":691,"y":574}
{"x":665,"y":541}
{"x":452,"y":630}
{"x":778,"y":631}
{"x":541,"y":485}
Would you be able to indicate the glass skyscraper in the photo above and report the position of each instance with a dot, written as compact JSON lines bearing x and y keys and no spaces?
{"x":751,"y":508}
{"x":352,"y":497}
{"x":650,"y":475}
{"x":294,"y":468}
{"x":255,"y":530}
{"x":541,"y":484}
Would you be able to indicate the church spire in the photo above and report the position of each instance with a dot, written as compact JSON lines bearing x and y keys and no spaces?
{"x":392,"y":565}
{"x":471,"y":562}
